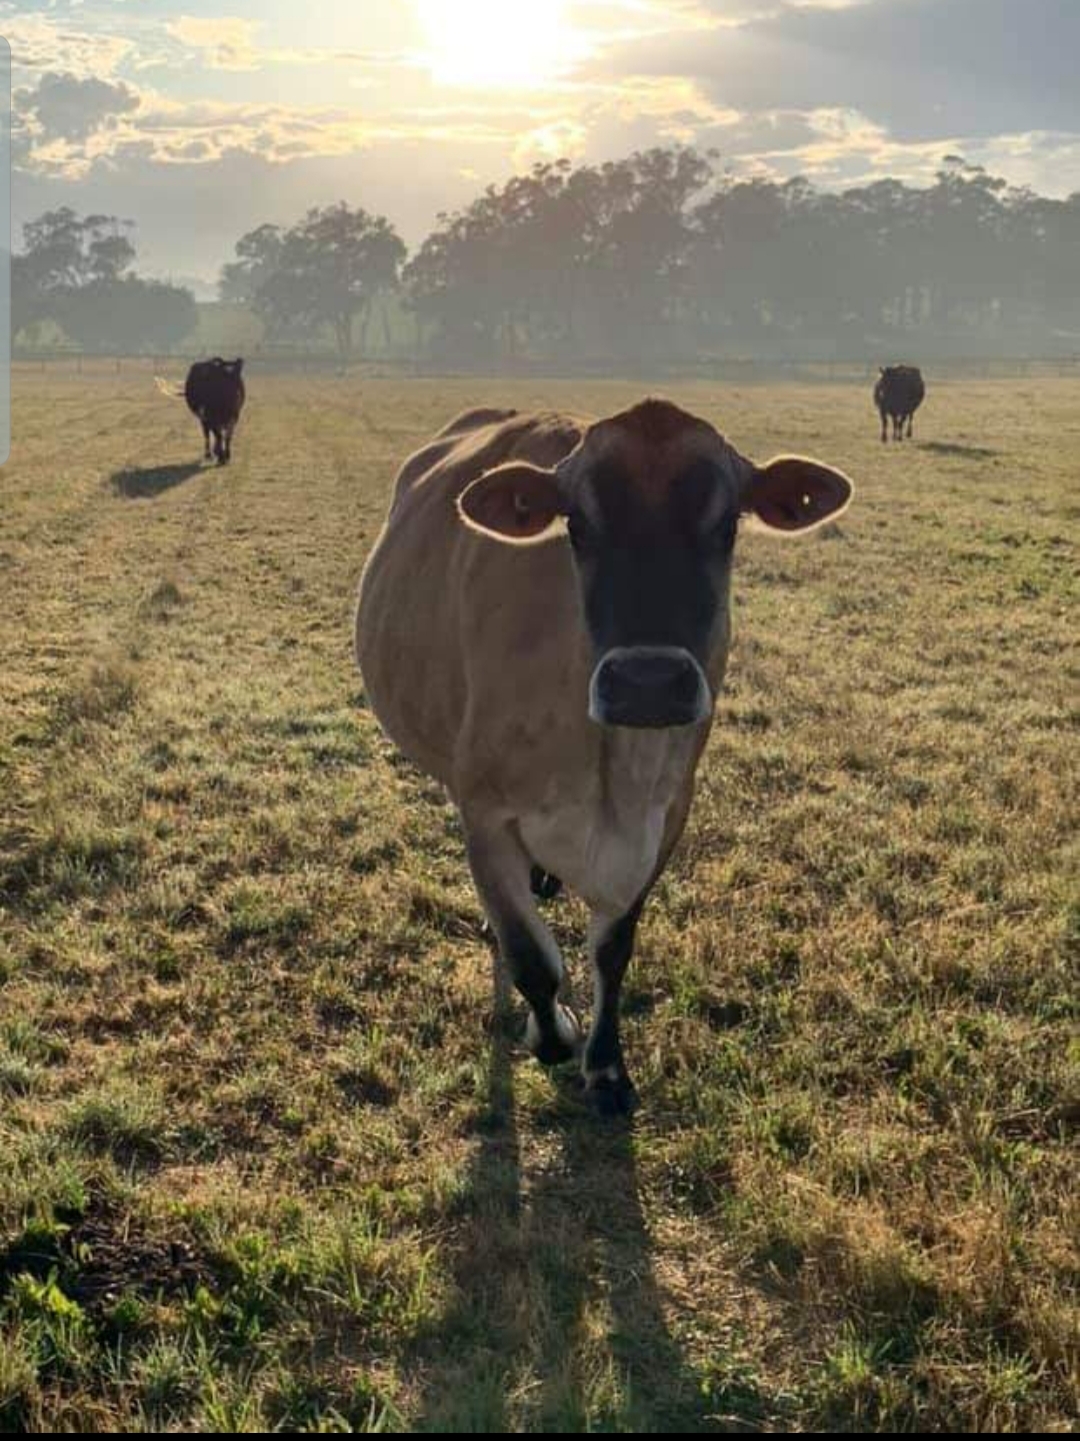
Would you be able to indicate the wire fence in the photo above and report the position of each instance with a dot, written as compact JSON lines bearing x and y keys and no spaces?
{"x":732,"y":370}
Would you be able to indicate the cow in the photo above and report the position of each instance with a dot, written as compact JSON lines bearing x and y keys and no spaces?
{"x":215,"y":395}
{"x":899,"y":392}
{"x":543,"y":627}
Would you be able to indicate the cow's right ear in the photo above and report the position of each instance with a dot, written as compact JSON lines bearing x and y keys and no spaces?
{"x":518,"y":504}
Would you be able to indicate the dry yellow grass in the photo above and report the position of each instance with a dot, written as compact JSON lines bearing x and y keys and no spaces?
{"x":263,"y":1164}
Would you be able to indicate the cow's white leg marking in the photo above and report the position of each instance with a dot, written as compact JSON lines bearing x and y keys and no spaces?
{"x":502,"y":871}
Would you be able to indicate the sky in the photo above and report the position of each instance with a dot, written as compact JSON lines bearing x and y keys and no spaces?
{"x":200,"y":120}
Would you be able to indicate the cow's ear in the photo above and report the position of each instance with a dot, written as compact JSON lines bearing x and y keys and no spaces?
{"x":238,"y":366}
{"x":517,"y":503}
{"x":793,"y":495}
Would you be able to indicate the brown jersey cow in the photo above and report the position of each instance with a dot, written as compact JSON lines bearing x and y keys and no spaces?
{"x":543,"y":626}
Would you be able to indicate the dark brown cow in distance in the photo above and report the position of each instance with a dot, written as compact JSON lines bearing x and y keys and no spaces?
{"x":899,"y":392}
{"x":214,"y":391}
{"x":543,"y":627}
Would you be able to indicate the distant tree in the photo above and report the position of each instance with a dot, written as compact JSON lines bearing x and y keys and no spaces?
{"x":656,"y":255}
{"x":327,"y":271}
{"x":258,"y":254}
{"x":63,"y":251}
{"x":77,"y":272}
{"x":562,"y":257}
{"x":128,"y":315}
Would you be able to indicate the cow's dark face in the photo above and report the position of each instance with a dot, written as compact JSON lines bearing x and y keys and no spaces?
{"x":654,"y":567}
{"x":651,"y":502}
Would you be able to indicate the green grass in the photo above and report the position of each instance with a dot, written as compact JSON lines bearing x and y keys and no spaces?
{"x":263,"y":1163}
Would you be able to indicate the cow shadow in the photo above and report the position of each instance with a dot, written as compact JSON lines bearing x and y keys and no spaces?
{"x":965,"y":452}
{"x":146,"y":484}
{"x":555,"y":1311}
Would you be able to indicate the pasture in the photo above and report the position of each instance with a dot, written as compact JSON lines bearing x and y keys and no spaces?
{"x":263,"y":1162}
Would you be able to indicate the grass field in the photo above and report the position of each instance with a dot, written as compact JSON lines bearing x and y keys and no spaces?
{"x":262,"y":1163}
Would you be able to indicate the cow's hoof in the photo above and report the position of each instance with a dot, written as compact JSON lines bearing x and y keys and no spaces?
{"x":612,"y":1095}
{"x":555,"y":1050}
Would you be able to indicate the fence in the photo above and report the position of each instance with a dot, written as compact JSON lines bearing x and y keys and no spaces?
{"x":748,"y":370}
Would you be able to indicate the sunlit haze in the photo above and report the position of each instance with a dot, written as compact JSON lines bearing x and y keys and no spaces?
{"x":200,"y":120}
{"x":489,"y":43}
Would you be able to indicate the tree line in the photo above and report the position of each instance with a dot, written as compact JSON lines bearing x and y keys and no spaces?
{"x":658,"y":257}
{"x":76,"y":273}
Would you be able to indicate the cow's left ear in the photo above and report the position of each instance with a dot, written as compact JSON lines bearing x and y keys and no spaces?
{"x":793,"y":495}
{"x":518,"y":503}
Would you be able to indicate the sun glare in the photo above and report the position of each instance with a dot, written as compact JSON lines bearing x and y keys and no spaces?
{"x":495,"y":43}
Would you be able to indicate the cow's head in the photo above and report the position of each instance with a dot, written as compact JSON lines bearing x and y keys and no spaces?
{"x":652,"y":500}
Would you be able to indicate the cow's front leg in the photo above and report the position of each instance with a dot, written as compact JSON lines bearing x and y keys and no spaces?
{"x":502,"y":871}
{"x":611,"y":944}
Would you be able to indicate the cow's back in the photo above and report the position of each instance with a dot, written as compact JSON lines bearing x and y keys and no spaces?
{"x":215,"y":391}
{"x":900,"y":390}
{"x":461,"y":640}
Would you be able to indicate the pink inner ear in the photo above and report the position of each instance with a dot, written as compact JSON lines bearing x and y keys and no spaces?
{"x":791,"y":494}
{"x":517,"y":502}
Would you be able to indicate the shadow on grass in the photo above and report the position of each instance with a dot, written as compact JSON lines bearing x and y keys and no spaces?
{"x":965,"y":452}
{"x":556,"y":1322}
{"x":146,"y":484}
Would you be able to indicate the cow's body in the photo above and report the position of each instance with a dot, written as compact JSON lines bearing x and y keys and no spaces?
{"x":214,"y":391}
{"x":507,"y":670}
{"x":899,"y":392}
{"x":503,"y":720}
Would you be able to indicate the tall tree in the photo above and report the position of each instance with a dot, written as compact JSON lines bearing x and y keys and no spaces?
{"x":258,"y":254}
{"x":329,"y":270}
{"x":128,"y":316}
{"x":78,"y":272}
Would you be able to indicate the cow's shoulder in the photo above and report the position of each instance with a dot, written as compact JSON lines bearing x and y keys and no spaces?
{"x":462,"y":452}
{"x":475,"y":419}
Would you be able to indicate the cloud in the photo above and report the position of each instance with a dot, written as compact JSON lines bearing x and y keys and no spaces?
{"x":560,"y":140}
{"x":66,"y":107}
{"x":920,"y":68}
{"x":225,"y":42}
{"x":39,"y":43}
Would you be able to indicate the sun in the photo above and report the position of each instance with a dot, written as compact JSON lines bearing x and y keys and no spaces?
{"x":495,"y":44}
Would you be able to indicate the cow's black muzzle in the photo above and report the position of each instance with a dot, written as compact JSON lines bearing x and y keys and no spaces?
{"x":649,"y":688}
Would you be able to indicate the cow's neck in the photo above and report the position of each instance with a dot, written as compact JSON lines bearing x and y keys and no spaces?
{"x":604,"y":836}
{"x":645,"y":768}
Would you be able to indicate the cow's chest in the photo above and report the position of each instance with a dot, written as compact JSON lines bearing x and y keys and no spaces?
{"x":603,"y":835}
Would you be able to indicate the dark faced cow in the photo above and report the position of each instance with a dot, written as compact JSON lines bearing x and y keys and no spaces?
{"x":214,"y":391}
{"x":543,"y":626}
{"x":899,"y":392}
